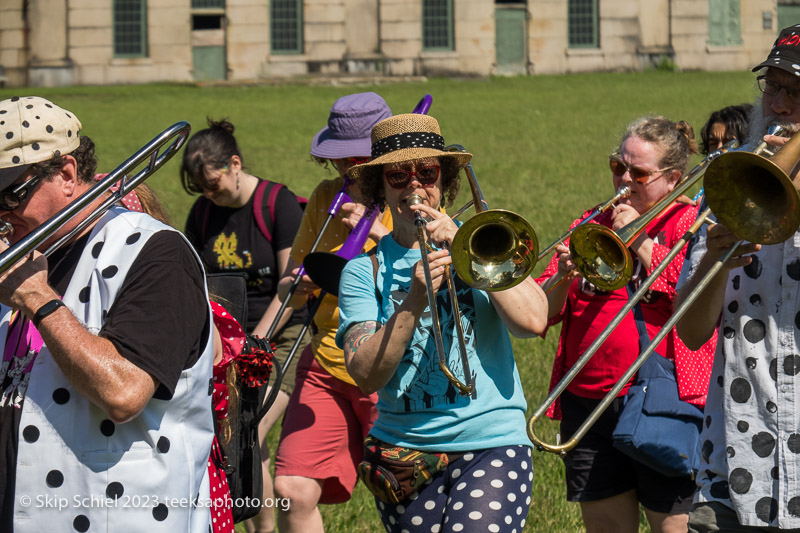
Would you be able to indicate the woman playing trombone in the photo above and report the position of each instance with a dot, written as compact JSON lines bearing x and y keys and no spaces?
{"x":650,"y":160}
{"x":474,"y":448}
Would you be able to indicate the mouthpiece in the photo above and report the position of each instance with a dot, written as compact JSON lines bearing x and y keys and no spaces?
{"x":414,"y":199}
{"x":776,"y":128}
{"x":6,"y":229}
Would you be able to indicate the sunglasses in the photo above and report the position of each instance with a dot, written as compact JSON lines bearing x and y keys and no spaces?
{"x":351,"y":160}
{"x":210,"y":184}
{"x":638,"y":174}
{"x":13,"y":196}
{"x":399,"y":178}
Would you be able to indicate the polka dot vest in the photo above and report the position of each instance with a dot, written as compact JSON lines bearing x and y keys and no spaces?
{"x":111,"y":477}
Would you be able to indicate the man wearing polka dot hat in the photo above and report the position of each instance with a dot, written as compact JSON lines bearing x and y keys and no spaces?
{"x":105,"y":419}
{"x":749,"y":474}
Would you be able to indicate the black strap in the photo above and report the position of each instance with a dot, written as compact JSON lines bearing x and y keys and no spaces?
{"x":638,"y":316}
{"x":373,"y":255}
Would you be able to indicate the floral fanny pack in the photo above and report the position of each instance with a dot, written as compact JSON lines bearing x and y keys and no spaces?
{"x":393,"y":473}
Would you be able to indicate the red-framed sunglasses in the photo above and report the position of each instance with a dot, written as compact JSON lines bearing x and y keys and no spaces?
{"x":400,"y":178}
{"x":638,"y":174}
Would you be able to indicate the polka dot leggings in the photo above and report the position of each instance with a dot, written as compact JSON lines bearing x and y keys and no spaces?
{"x":487,"y":490}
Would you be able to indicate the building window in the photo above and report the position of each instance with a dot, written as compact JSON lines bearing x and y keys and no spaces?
{"x":724,"y":23}
{"x":206,"y":4}
{"x":437,"y":25}
{"x":286,"y":25}
{"x":582,"y":24}
{"x":130,"y":28}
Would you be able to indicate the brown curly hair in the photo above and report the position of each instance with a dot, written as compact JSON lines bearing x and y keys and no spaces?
{"x":84,"y":157}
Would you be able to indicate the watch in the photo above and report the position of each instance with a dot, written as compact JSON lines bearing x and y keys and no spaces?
{"x":45,"y":310}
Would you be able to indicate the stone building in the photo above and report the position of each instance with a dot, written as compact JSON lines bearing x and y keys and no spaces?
{"x":64,"y":42}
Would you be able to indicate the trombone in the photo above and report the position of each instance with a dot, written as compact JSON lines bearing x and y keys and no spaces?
{"x":173,"y":137}
{"x":741,"y":188}
{"x":494,"y":250}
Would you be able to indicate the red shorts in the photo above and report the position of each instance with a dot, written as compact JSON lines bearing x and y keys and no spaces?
{"x":323,"y":431}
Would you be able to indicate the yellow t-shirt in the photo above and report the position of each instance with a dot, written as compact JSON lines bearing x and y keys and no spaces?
{"x":328,"y":355}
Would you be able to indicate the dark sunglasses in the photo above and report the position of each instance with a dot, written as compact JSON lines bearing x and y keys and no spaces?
{"x":399,"y":178}
{"x":638,"y":174}
{"x":13,"y":196}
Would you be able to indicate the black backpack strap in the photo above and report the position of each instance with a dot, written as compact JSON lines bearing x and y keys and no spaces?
{"x":269,"y":190}
{"x":373,"y":255}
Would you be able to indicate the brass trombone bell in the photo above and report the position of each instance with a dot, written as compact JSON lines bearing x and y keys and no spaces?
{"x":753,"y":196}
{"x":494,"y":250}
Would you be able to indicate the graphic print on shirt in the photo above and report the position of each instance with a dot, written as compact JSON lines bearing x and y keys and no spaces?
{"x":228,"y":258}
{"x":429,"y":387}
{"x":23,"y":344}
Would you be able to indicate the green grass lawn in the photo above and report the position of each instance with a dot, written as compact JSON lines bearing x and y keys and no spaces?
{"x":540,"y":145}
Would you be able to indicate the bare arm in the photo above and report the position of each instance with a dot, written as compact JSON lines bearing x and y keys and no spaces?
{"x":556,"y":288}
{"x":91,"y":363}
{"x":523,"y":308}
{"x":371,"y":354}
{"x":304,"y":289}
{"x":697,"y":326}
{"x":274,"y":305}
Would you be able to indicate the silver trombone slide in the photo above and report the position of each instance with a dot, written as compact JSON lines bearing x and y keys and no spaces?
{"x":665,"y":329}
{"x":150,"y":153}
{"x":562,"y":449}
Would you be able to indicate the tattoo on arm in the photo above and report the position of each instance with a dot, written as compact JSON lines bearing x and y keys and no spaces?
{"x":358,"y":334}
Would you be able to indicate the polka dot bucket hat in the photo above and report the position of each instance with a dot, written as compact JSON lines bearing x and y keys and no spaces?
{"x":33,"y":130}
{"x":405,"y":138}
{"x":785,"y":53}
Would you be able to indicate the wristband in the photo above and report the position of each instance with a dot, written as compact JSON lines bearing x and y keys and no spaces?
{"x":46,"y":310}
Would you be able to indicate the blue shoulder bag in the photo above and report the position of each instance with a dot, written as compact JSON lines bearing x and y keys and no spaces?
{"x":655,"y":427}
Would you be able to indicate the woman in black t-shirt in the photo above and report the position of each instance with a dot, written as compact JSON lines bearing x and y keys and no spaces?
{"x":243,"y":224}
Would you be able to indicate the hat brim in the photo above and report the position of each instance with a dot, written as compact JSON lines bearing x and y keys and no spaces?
{"x":778,"y":62}
{"x":9,"y":175}
{"x":404,"y":155}
{"x":325,"y":146}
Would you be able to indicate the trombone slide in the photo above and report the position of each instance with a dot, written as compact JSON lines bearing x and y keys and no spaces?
{"x":562,"y":449}
{"x":465,"y":389}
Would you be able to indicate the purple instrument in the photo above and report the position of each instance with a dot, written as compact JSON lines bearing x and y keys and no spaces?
{"x":423,"y":105}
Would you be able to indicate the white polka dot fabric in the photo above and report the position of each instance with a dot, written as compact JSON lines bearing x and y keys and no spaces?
{"x":487,"y":490}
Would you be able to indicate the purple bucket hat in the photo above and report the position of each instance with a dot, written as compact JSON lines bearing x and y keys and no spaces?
{"x":349,"y":127}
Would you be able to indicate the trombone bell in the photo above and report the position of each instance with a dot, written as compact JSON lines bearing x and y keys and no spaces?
{"x":599,"y":255}
{"x":494,"y":250}
{"x":752,"y":197}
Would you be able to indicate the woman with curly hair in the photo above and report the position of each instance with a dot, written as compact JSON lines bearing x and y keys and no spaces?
{"x":476,"y":458}
{"x":651,"y":159}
